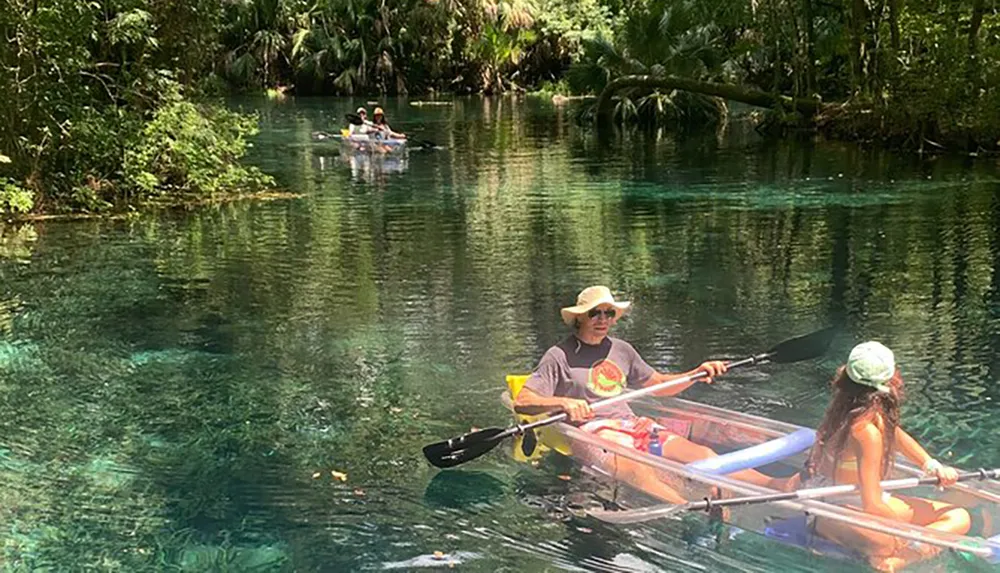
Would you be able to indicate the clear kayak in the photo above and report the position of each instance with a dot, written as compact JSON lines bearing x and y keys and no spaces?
{"x":777,"y":448}
{"x":371,"y":144}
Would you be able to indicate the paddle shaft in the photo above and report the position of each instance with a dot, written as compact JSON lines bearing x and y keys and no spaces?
{"x":808,"y":495}
{"x":458,"y":450}
{"x":646,"y":514}
{"x":634,"y":394}
{"x":982,"y":548}
{"x":821,"y":492}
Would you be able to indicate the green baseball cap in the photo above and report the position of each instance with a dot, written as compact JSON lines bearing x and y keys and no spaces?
{"x":871,"y":364}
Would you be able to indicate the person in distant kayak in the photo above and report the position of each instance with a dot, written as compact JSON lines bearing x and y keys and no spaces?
{"x":380,"y":124}
{"x":362,"y":134}
{"x":589,"y":365}
{"x":365,"y":127}
{"x":857,"y":443}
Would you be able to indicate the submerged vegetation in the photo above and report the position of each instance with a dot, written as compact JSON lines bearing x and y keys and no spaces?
{"x":107,"y":103}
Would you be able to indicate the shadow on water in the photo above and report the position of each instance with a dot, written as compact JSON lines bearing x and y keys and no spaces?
{"x":458,"y":488}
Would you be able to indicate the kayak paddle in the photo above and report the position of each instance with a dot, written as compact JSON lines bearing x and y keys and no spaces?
{"x":707,"y":504}
{"x":425,"y":143}
{"x":321,"y":135}
{"x":470,"y":446}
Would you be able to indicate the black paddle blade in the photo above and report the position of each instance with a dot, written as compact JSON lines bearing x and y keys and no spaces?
{"x":802,"y":347}
{"x":354,"y":119}
{"x":455,"y":451}
{"x":528,"y":443}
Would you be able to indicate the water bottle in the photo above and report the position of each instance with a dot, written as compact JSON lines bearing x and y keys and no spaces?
{"x":655,"y":447}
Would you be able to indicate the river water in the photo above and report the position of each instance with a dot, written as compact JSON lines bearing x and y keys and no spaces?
{"x":248,"y":386}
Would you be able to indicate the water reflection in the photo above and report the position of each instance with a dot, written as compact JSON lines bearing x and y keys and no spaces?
{"x":16,"y":241}
{"x":363,"y":167}
{"x":371,"y":167}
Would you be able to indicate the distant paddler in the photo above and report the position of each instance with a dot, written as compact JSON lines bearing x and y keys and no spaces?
{"x":856,"y":444}
{"x":588,"y":365}
{"x":362,"y":132}
{"x":380,"y":124}
{"x":366,"y":127}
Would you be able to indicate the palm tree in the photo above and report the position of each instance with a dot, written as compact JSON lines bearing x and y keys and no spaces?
{"x":660,"y":38}
{"x":259,"y":30}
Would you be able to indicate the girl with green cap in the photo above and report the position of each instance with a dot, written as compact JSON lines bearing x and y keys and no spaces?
{"x":857,"y":442}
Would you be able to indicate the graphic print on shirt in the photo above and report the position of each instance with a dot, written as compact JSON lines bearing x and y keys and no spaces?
{"x":605,"y":378}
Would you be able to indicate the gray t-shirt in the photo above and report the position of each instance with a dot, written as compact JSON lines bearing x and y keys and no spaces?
{"x":573,"y":369}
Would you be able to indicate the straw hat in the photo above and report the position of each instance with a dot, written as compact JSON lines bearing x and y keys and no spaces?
{"x":871,"y":364}
{"x":589,"y":298}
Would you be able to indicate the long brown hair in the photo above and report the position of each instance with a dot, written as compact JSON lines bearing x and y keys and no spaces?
{"x":853,"y":402}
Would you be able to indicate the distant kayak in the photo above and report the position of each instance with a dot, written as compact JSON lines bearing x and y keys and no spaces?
{"x":359,"y":143}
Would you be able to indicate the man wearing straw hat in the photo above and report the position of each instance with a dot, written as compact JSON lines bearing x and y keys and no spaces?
{"x":589,"y":365}
{"x":363,"y":128}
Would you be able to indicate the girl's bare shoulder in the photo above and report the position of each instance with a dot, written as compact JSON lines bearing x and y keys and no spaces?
{"x":867,"y":430}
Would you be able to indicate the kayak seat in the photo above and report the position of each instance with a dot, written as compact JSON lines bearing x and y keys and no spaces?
{"x":796,"y":531}
{"x":548,"y":438}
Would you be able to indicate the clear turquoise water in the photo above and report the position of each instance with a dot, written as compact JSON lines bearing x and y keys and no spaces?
{"x":177,"y":389}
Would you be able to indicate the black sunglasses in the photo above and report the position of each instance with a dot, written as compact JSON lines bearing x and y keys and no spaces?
{"x":595,"y":312}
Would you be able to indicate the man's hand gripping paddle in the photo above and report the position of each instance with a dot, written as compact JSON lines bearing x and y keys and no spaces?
{"x":470,"y":446}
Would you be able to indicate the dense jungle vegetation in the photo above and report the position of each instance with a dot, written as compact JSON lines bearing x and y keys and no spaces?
{"x":107,"y":102}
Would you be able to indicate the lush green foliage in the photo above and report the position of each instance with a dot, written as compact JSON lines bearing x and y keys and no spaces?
{"x":911,"y":71}
{"x":15,"y":199}
{"x":657,"y":38}
{"x":187,"y":148}
{"x":81,"y":81}
{"x":332,"y":46}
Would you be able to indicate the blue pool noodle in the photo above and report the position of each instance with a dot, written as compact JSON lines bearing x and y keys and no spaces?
{"x":759,"y":455}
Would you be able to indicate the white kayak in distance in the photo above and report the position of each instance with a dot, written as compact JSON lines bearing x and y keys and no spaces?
{"x":371,"y":143}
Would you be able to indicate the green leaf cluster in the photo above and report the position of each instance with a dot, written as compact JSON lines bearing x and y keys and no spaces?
{"x":14,"y":198}
{"x":103,"y":105}
{"x":188,"y":148}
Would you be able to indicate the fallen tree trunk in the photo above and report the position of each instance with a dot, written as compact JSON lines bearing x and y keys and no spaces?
{"x":749,"y":96}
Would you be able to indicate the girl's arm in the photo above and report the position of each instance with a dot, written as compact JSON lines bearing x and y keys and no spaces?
{"x":867,"y":441}
{"x":659,"y":377}
{"x":910,"y":448}
{"x":918,"y":455}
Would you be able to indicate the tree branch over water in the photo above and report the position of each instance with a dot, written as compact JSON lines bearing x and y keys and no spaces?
{"x":741,"y":94}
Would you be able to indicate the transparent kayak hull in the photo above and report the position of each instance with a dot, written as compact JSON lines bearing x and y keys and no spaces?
{"x":735,"y":433}
{"x":372,"y":145}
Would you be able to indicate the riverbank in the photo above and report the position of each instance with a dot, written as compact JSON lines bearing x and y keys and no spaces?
{"x":174,"y":204}
{"x":226,"y":156}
